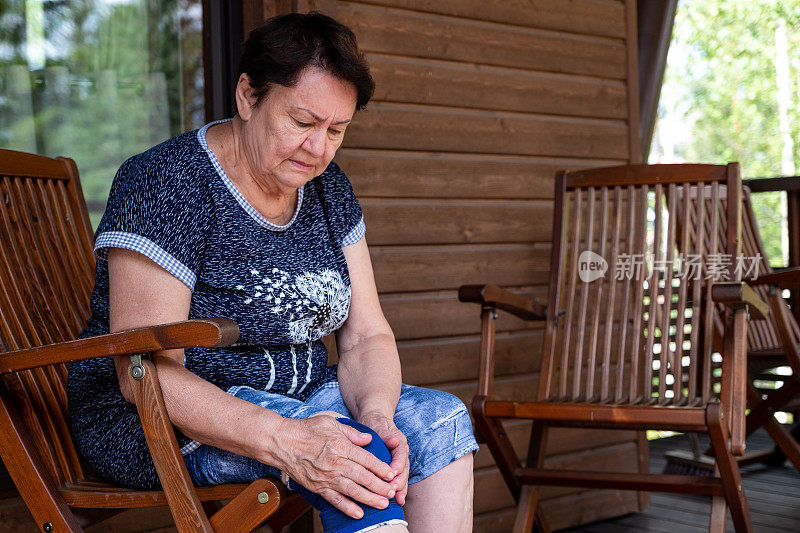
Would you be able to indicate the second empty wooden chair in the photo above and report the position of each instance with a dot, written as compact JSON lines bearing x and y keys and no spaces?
{"x":629,"y":338}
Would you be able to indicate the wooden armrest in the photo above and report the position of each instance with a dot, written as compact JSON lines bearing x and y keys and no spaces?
{"x":787,"y":278}
{"x":733,"y":293}
{"x":205,"y":333}
{"x":503,"y":299}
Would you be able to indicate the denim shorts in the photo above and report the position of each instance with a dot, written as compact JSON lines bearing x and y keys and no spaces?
{"x":435,"y":423}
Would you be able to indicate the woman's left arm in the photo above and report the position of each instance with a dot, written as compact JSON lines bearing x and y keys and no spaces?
{"x":369,"y":367}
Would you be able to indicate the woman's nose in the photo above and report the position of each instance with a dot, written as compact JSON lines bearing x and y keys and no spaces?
{"x":315,"y":143}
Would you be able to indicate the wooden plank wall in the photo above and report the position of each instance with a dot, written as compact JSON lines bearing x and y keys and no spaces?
{"x":478,"y":103}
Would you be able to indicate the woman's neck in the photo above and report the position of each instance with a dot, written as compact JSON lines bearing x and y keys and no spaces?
{"x":273,"y":202}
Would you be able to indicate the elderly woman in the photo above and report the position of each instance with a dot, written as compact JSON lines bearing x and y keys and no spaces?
{"x":249,"y":219}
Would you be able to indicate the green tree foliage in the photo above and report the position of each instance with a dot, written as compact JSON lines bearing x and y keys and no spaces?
{"x":720,"y":98}
{"x":118,"y":77}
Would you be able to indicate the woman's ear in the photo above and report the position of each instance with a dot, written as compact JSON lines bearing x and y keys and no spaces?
{"x":245,"y":97}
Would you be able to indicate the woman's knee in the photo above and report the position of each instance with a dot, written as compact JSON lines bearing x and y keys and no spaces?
{"x":438,"y":428}
{"x":425,"y":410}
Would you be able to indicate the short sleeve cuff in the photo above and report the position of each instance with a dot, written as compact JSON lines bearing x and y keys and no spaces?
{"x":356,"y":234}
{"x":146,"y":247}
{"x":190,"y":447}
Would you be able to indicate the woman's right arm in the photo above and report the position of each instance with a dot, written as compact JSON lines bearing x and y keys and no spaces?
{"x":319,"y":453}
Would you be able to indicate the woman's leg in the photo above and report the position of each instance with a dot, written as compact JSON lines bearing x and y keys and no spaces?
{"x":443,"y":500}
{"x":439,"y":433}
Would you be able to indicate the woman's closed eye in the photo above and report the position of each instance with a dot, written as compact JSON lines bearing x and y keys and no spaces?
{"x":303,"y":124}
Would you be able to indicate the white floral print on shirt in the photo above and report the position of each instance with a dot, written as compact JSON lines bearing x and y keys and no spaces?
{"x":317,"y":303}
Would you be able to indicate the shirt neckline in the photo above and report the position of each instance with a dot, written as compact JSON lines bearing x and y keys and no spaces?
{"x":237,"y":195}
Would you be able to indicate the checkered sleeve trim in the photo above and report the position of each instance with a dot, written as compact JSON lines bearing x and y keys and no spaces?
{"x":146,"y":247}
{"x":356,"y":234}
{"x":190,"y":447}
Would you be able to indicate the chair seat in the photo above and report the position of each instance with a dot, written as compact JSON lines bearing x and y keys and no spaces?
{"x":89,"y":493}
{"x":766,"y":358}
{"x":622,"y":416}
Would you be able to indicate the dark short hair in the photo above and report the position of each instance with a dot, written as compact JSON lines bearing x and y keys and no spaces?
{"x":278,"y":51}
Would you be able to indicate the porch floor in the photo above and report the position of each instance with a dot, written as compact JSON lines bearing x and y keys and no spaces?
{"x":773,"y":495}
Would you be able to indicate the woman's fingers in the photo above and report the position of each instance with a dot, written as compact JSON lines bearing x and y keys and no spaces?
{"x":401,"y":464}
{"x":397,"y":444}
{"x":370,"y":462}
{"x":402,"y":493}
{"x":399,"y":457}
{"x":348,"y":491}
{"x":356,"y":437}
{"x":358,"y":493}
{"x":370,"y":481}
{"x":341,"y":502}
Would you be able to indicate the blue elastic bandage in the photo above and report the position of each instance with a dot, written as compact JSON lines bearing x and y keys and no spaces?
{"x":335,"y":521}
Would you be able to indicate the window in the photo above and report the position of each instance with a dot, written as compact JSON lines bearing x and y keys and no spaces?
{"x":99,"y":80}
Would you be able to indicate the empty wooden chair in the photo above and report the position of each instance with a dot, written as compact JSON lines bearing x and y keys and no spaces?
{"x":626,"y":318}
{"x":46,"y":277}
{"x":771,"y":344}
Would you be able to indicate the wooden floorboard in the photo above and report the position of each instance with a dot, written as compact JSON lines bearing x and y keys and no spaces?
{"x":773,"y":494}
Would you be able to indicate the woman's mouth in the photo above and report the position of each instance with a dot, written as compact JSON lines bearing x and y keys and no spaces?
{"x":301,"y":165}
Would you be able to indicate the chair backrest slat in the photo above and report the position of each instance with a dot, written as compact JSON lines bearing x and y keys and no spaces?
{"x":708,"y":309}
{"x":697,"y":288}
{"x":653,"y":307}
{"x":665,"y":361}
{"x":580,"y":321}
{"x":569,"y":258}
{"x":642,"y":330}
{"x":47,"y":274}
{"x":616,"y":230}
{"x":685,"y":248}
{"x":636,"y":353}
{"x":628,"y":230}
{"x":592,"y":346}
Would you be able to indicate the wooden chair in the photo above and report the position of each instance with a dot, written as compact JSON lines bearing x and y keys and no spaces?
{"x":46,"y":277}
{"x":613,"y":352}
{"x":771,"y":344}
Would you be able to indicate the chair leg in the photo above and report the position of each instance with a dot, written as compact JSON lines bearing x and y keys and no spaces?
{"x":31,"y":476}
{"x":785,"y":442}
{"x":536,"y":447}
{"x":761,"y":415}
{"x":719,"y":514}
{"x":542,"y":526}
{"x":728,"y":470}
{"x":294,"y":507}
{"x":496,"y":437}
{"x":526,"y":509}
{"x":536,"y":453}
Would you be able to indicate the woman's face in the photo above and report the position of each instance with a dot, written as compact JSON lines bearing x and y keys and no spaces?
{"x":292,"y":135}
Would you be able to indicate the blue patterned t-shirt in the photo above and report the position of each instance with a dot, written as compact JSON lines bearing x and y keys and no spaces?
{"x":285,"y":286}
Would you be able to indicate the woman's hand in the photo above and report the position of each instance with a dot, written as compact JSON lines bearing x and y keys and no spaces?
{"x":326,"y":458}
{"x":398,"y":446}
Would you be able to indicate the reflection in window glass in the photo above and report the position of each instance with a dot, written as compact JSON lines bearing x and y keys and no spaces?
{"x":98,"y":80}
